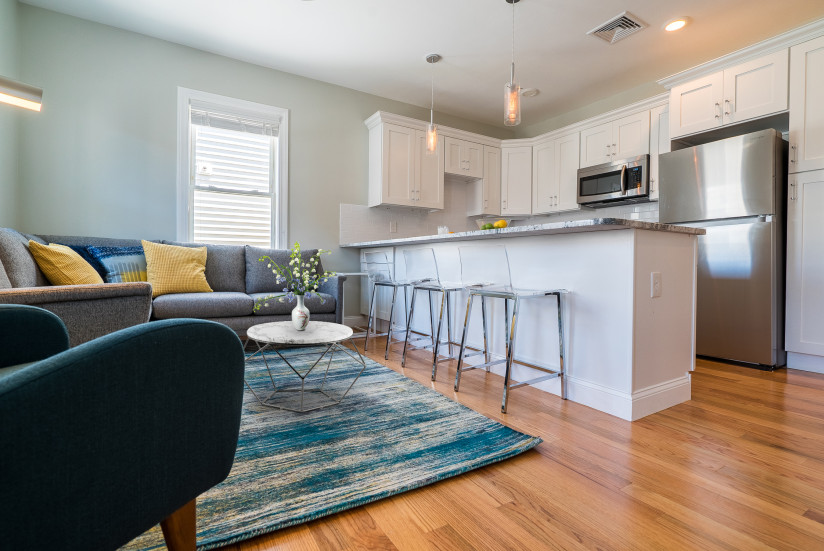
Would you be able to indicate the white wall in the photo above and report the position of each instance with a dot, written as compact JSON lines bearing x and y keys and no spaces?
{"x":8,"y":115}
{"x":100,"y":159}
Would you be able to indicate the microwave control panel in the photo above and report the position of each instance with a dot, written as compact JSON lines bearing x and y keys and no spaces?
{"x":634,"y":178}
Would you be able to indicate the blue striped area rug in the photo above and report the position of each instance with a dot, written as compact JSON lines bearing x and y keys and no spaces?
{"x":389,"y":435}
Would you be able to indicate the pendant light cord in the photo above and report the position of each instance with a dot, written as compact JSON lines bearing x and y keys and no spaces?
{"x":512,"y":74}
{"x":432,"y":103}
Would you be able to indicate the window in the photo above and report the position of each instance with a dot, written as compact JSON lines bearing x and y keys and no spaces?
{"x":232,"y":171}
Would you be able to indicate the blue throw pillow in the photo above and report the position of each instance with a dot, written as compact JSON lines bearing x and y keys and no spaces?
{"x":122,"y":264}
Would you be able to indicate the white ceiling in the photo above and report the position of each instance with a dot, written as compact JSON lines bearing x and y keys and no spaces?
{"x":379,"y":46}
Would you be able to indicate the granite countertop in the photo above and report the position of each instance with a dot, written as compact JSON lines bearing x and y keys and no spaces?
{"x":573,"y":226}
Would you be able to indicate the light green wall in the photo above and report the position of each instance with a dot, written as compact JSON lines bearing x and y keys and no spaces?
{"x":101,"y":158}
{"x":607,"y":104}
{"x":8,"y":116}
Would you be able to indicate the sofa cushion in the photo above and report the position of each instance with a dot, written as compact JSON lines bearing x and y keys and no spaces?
{"x":273,"y":307}
{"x":172,"y":269}
{"x":4,"y":279}
{"x":123,"y":264}
{"x":21,"y":269}
{"x":225,"y":265}
{"x":202,"y":305}
{"x":62,"y":265}
{"x":259,"y":277}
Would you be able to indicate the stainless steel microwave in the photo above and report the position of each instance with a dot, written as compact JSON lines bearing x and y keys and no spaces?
{"x":614,"y":183}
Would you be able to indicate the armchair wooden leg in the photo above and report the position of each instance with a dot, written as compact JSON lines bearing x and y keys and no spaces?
{"x":179,"y":528}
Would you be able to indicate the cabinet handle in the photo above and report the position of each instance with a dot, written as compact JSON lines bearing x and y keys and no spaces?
{"x":718,"y":110}
{"x":794,"y":156}
{"x":613,"y":149}
{"x":793,"y":192}
{"x":727,"y":107}
{"x":608,"y":153}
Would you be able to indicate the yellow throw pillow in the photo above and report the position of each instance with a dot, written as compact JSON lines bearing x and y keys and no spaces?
{"x":63,"y":266}
{"x":171,"y":269}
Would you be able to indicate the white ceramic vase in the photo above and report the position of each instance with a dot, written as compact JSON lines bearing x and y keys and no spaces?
{"x":300,"y":315}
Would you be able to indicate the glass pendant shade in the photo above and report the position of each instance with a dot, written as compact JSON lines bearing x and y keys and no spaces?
{"x":512,"y":109}
{"x":431,"y":139}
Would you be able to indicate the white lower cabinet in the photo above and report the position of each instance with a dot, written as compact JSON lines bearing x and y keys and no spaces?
{"x":555,"y":175}
{"x":516,"y":180}
{"x":659,"y":142}
{"x":805,"y":264}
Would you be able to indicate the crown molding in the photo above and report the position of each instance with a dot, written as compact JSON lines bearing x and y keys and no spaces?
{"x":771,"y":45}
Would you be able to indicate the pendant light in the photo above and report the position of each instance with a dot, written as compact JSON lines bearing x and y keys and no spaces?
{"x":19,"y":94}
{"x":431,"y":129}
{"x":512,"y":92}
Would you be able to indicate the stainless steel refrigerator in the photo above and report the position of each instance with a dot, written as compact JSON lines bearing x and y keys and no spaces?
{"x":735,"y":189}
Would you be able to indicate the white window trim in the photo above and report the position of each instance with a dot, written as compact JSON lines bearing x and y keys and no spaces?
{"x":185,"y":97}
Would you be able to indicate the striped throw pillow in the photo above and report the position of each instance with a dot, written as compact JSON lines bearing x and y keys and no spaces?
{"x":172,"y":269}
{"x":122,"y":264}
{"x":63,"y":266}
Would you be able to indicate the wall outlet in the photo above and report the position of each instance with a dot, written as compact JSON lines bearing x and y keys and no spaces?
{"x":655,"y":285}
{"x":393,"y":226}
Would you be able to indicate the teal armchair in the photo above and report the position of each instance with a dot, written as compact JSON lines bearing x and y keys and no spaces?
{"x":104,"y":440}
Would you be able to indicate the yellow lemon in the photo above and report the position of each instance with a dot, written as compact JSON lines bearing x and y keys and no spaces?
{"x":499,"y":224}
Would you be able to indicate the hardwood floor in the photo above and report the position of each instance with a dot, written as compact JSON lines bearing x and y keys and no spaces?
{"x":740,"y":466}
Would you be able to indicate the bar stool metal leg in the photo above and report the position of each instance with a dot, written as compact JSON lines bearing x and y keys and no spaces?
{"x":463,"y":341}
{"x":409,"y":325}
{"x":562,"y":365}
{"x":486,"y":331}
{"x":449,"y":320}
{"x":510,"y":352}
{"x":370,"y":318}
{"x":391,"y":319}
{"x":437,"y":338}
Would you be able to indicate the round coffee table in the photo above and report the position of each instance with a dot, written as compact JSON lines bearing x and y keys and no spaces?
{"x":326,"y":338}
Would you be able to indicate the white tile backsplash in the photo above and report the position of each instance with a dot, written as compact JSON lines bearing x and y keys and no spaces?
{"x":359,"y":223}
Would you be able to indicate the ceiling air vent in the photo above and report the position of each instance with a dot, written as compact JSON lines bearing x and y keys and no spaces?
{"x":618,"y":28}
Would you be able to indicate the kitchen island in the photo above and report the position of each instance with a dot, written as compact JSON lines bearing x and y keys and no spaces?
{"x":630,"y":311}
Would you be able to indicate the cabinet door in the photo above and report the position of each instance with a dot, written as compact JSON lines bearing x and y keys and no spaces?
{"x":805,"y":264}
{"x":806,"y":106}
{"x":659,"y":142}
{"x":516,"y":180}
{"x":452,"y":156}
{"x":398,"y":182}
{"x":630,"y":136}
{"x":473,"y":155}
{"x":428,"y":189}
{"x":566,"y":151}
{"x":544,"y":181}
{"x":596,"y":143}
{"x":696,"y":105}
{"x":756,"y":88}
{"x":492,"y":180}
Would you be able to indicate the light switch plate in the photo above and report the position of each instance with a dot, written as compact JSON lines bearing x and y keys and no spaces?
{"x":655,"y":284}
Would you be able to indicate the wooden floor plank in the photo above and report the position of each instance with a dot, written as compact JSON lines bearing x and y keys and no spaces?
{"x":740,"y":466}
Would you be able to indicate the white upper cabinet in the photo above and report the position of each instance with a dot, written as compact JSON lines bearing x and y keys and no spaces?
{"x":746,"y":91}
{"x":805,"y":264}
{"x":807,"y":106}
{"x":516,"y":180}
{"x":463,"y":158}
{"x":400,"y":171}
{"x":612,"y":141}
{"x":484,"y":195}
{"x":555,"y":175}
{"x":659,"y":142}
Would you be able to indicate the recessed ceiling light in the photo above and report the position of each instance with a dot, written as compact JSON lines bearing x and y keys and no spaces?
{"x":530,"y":92}
{"x":676,"y":24}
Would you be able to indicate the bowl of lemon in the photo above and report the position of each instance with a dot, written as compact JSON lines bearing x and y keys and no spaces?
{"x":492,"y":224}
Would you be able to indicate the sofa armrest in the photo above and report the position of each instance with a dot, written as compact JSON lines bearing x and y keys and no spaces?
{"x":29,"y":334}
{"x":89,"y":311}
{"x":334,"y":287}
{"x":118,"y":433}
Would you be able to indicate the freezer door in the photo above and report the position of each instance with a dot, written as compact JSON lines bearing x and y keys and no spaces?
{"x":738,"y":315}
{"x":725,"y":179}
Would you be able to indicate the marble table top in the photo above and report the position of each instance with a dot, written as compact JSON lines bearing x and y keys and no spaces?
{"x":573,"y":226}
{"x":282,"y":332}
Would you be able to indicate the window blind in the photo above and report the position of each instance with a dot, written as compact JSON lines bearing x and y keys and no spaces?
{"x":232,"y":179}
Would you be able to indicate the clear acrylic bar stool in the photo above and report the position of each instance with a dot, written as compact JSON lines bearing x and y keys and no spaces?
{"x":422,"y":272}
{"x":486,"y":274}
{"x":381,"y":274}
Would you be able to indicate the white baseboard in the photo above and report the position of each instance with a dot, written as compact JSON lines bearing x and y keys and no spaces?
{"x":805,"y":362}
{"x":630,"y":407}
{"x":661,"y":396}
{"x":355,"y":321}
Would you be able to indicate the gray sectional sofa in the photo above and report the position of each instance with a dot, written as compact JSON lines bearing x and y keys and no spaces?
{"x":233,"y":272}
